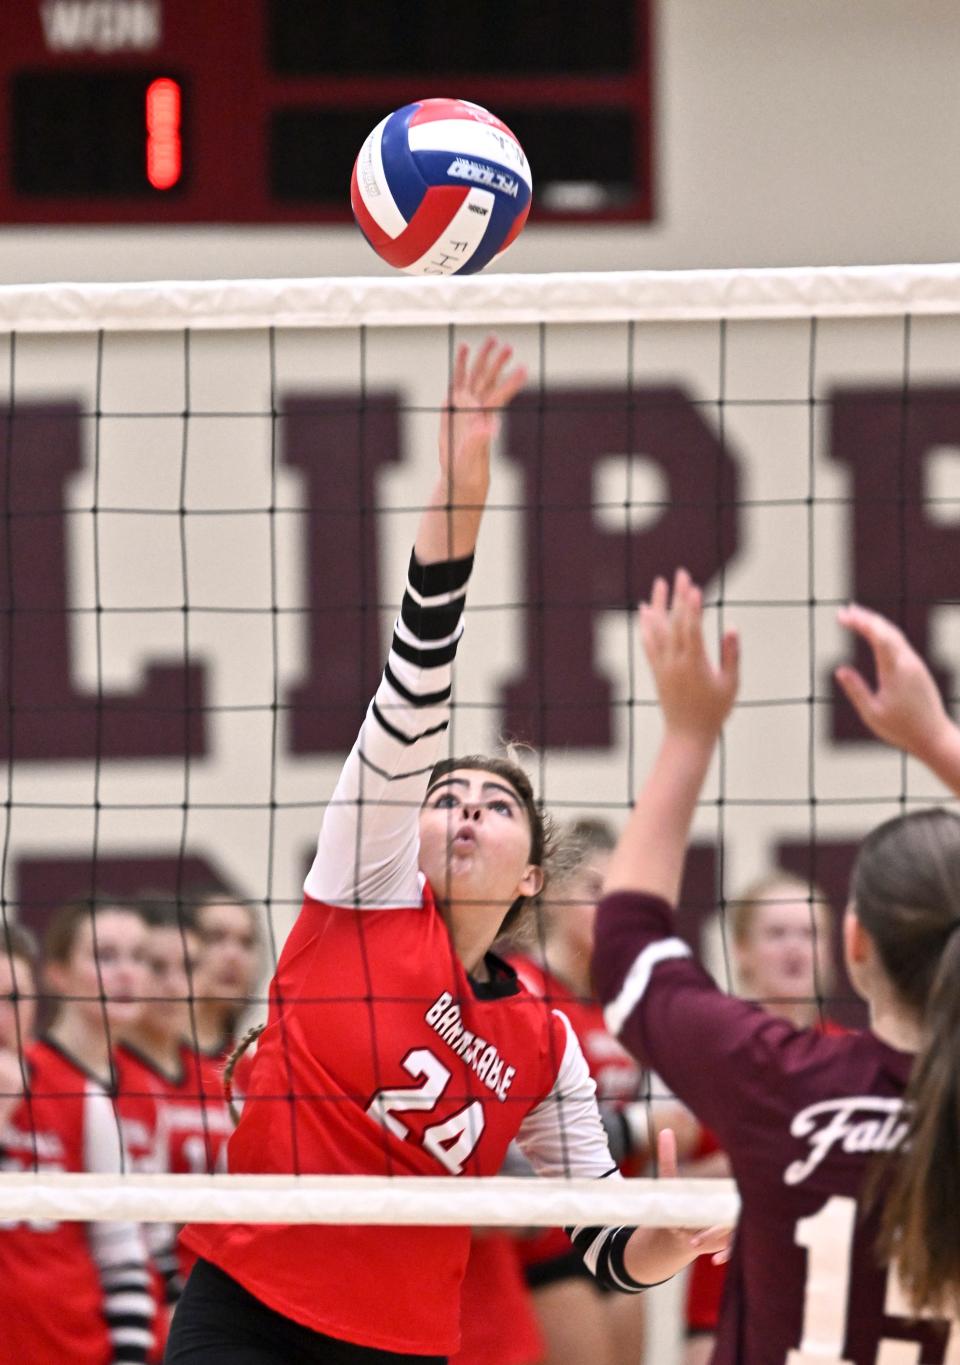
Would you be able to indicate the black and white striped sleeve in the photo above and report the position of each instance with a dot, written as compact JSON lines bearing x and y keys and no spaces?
{"x":564,"y":1136}
{"x":368,"y":850}
{"x":118,"y":1249}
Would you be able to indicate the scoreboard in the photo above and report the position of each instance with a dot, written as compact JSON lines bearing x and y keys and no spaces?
{"x":252,"y":111}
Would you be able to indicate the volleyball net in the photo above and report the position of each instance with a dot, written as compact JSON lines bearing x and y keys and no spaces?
{"x":209,"y":494}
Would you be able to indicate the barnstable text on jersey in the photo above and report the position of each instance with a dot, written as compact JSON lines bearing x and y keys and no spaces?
{"x":444,"y":1016}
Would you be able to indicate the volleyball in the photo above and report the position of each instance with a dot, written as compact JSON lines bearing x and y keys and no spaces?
{"x":440,"y":187}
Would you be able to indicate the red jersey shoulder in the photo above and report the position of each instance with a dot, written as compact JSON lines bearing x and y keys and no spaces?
{"x":47,"y":1127}
{"x":617,"y":1074}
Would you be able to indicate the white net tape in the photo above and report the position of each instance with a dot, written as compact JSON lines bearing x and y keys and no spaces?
{"x":503,"y":1202}
{"x":648,"y":296}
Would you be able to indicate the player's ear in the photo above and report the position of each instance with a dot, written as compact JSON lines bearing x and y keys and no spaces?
{"x":531,"y":883}
{"x":856,"y":940}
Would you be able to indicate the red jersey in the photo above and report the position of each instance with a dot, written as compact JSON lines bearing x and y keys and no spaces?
{"x":402,"y":1066}
{"x":191,"y":1108}
{"x":69,"y":1291}
{"x":194,"y":1118}
{"x":381,"y":1056}
{"x":498,"y":1323}
{"x":617,"y":1075}
{"x":800,"y":1115}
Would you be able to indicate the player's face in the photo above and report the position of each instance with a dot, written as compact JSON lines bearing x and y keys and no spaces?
{"x":172,"y":957}
{"x":475,"y":840}
{"x":787,"y":953}
{"x":107,"y":968}
{"x":17,"y":1016}
{"x":228,"y":963}
{"x":574,"y":902}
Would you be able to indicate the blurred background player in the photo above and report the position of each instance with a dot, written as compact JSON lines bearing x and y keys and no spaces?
{"x":197,"y":1123}
{"x":846,"y":1149}
{"x":781,"y":930}
{"x":228,"y":971}
{"x":95,"y":962}
{"x":72,"y":1291}
{"x":18,"y":1011}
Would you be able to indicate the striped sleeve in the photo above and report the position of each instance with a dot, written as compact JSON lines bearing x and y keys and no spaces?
{"x":564,"y":1135}
{"x":368,"y":850}
{"x":118,"y":1248}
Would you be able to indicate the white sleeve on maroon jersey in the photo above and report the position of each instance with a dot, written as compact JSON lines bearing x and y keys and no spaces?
{"x":118,"y":1248}
{"x":564,"y":1136}
{"x":368,"y":851}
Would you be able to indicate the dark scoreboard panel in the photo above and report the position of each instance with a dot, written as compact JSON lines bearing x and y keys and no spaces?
{"x":252,"y":111}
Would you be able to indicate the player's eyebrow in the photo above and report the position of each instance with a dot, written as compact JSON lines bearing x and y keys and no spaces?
{"x":465,"y":782}
{"x":499,"y":787}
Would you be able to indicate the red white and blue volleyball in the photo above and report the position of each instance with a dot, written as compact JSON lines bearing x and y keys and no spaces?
{"x":440,"y":187}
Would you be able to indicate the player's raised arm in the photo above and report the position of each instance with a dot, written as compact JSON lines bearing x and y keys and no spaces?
{"x":695,"y":699}
{"x":905,"y":708}
{"x":368,"y":848}
{"x":481,"y":387}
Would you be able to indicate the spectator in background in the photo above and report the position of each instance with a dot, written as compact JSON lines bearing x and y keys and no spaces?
{"x":227,"y":971}
{"x":197,"y":1121}
{"x":18,"y":1012}
{"x":95,"y":960}
{"x":781,"y":929}
{"x":71,"y":1291}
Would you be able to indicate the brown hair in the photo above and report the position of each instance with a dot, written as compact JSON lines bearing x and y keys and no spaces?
{"x":18,"y":942}
{"x":906,"y":893}
{"x":542,"y":836}
{"x":62,"y":931}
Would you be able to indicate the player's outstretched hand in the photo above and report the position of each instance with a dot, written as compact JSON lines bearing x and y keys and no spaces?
{"x":695,"y":697}
{"x":714,"y":1241}
{"x":654,"y":1254}
{"x":905,"y":709}
{"x":482,"y":386}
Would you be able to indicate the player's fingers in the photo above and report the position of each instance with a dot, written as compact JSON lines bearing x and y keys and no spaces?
{"x":481,"y":363}
{"x":498,"y":360}
{"x":659,"y":596}
{"x":667,"y":1154}
{"x":857,"y":691}
{"x":730,"y":661}
{"x":460,"y":367}
{"x":511,"y":384}
{"x":881,"y":634}
{"x":714,"y":1239}
{"x":686,"y":613}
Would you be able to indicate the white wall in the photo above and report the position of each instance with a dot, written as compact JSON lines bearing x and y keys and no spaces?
{"x":790,"y":132}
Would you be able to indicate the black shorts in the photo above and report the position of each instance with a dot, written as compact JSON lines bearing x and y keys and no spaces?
{"x":218,"y":1322}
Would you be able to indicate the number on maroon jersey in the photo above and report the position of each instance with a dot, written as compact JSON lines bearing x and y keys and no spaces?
{"x":828,"y":1237}
{"x":451,"y":1141}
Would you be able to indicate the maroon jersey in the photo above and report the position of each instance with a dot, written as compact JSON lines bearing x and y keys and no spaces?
{"x":68,"y":1291}
{"x":800,"y":1114}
